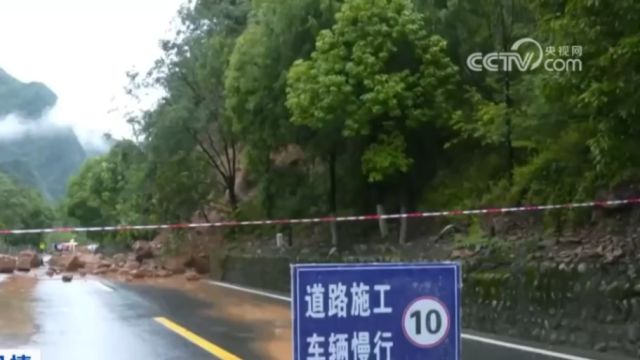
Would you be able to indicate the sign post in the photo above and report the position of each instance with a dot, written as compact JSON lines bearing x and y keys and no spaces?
{"x":376,"y":311}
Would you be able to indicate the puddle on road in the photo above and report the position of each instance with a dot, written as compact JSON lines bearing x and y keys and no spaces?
{"x":16,"y":312}
{"x":270,"y":320}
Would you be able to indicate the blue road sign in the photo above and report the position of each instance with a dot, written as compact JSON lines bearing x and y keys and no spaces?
{"x":376,"y":311}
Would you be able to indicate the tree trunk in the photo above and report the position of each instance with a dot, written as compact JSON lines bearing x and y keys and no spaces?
{"x":289,"y":235}
{"x":382,"y":223}
{"x":332,"y":196}
{"x":507,"y":27}
{"x":334,"y":234}
{"x":378,"y":197}
{"x":268,"y":196}
{"x":402,"y":238}
{"x":204,"y":214}
{"x":233,"y":197}
{"x":508,"y":127}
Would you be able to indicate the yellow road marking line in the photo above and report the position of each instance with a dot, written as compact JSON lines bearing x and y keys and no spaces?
{"x":201,"y":342}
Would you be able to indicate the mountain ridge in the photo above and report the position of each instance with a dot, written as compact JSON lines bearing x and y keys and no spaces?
{"x":41,"y":155}
{"x":27,"y":100}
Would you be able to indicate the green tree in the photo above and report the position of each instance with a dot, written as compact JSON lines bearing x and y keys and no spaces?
{"x":278,"y":33}
{"x":603,"y":96}
{"x":112,"y":189}
{"x":374,"y":78}
{"x":189,"y":125}
{"x":22,"y":208}
{"x":378,"y":74}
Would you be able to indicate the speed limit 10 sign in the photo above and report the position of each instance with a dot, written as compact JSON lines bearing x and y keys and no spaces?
{"x":426,"y":322}
{"x":376,"y":311}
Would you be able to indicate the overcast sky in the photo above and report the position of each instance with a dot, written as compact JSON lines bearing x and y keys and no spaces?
{"x":81,"y":49}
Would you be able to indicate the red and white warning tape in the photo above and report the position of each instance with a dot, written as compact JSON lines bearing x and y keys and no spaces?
{"x":329,"y":218}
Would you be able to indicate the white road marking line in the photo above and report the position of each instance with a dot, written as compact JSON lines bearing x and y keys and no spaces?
{"x":523,"y":348}
{"x":103,"y":286}
{"x":251,"y":291}
{"x":464,"y":336}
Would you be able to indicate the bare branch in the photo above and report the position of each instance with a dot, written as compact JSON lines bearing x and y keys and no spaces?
{"x":194,"y":89}
{"x":211,"y":159}
{"x":227,"y":157}
{"x":215,"y":149}
{"x":233,"y":152}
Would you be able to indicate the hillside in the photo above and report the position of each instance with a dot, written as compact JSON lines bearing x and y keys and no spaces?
{"x":37,"y":156}
{"x":28,"y":100}
{"x":43,"y":160}
{"x":385,"y":117}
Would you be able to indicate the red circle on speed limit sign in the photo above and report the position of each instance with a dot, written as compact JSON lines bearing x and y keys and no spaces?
{"x":426,"y":322}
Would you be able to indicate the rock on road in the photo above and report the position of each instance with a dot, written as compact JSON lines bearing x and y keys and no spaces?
{"x":93,"y":318}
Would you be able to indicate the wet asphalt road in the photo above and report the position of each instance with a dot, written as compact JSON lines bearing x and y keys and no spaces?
{"x":483,"y":347}
{"x":87,"y":320}
{"x":97,"y":319}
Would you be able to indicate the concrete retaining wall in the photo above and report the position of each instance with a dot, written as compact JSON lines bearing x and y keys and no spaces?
{"x":591,"y":310}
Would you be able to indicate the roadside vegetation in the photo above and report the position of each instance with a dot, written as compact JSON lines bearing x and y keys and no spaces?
{"x":22,"y":208}
{"x":293,"y":108}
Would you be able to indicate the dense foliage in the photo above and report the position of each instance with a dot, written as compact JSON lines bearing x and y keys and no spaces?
{"x":289,"y":108}
{"x":22,"y":208}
